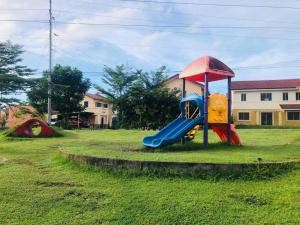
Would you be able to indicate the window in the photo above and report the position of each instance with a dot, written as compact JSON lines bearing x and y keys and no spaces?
{"x":266,"y":96}
{"x":86,"y":104}
{"x":105,"y":105}
{"x":293,"y":115}
{"x":297,"y":95}
{"x":243,"y":97}
{"x":244,"y":116}
{"x":98,"y":104}
{"x":285,"y":96}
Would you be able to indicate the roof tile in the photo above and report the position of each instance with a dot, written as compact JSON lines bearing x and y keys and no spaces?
{"x":265,"y":84}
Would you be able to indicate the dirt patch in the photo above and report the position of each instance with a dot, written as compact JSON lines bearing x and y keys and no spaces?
{"x":22,"y":162}
{"x":3,"y":160}
{"x":56,"y":184}
{"x":250,"y":199}
{"x":84,"y":195}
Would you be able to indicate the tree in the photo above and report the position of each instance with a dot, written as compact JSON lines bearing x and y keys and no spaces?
{"x":14,"y":76}
{"x":68,"y":90}
{"x":144,"y":101}
{"x":118,"y":80}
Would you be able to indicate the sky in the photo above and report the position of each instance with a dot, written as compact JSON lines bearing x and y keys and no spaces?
{"x":257,"y":39}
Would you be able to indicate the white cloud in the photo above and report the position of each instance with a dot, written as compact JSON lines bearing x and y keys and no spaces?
{"x":94,"y":46}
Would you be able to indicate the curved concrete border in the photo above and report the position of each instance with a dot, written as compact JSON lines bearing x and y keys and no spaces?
{"x":193,"y":169}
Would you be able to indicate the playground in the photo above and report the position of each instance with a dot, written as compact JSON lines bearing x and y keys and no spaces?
{"x":85,"y":176}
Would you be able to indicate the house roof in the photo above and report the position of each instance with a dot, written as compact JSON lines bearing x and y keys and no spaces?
{"x":290,"y":106}
{"x":265,"y":84}
{"x":176,"y":76}
{"x":96,"y":96}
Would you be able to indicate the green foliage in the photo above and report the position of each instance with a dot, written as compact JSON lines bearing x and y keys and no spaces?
{"x":13,"y":75}
{"x":68,"y":89}
{"x":140,"y":98}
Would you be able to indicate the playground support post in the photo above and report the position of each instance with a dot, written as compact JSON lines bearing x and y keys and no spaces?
{"x":229,"y":112}
{"x":183,"y":95}
{"x":205,"y":127}
{"x":183,"y":88}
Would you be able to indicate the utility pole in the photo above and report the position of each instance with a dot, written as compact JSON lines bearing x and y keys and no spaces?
{"x":50,"y":63}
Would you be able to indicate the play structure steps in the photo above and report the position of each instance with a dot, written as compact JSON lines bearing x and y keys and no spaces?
{"x":192,"y":133}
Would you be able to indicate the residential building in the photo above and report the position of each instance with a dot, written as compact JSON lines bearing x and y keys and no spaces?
{"x":100,"y":109}
{"x":174,"y":82}
{"x":266,"y":102}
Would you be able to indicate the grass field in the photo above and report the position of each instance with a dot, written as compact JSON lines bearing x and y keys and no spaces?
{"x":269,"y":145}
{"x":37,"y":187}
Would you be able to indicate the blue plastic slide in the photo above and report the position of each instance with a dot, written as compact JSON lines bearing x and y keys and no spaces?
{"x":172,"y":133}
{"x":179,"y":127}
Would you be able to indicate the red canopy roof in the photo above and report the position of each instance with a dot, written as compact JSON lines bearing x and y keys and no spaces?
{"x":206,"y":64}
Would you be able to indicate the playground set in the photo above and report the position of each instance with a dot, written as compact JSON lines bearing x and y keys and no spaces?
{"x":197,"y":111}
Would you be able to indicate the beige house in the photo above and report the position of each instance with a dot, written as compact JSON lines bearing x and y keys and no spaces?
{"x":100,"y":109}
{"x":190,"y":86}
{"x":266,"y":102}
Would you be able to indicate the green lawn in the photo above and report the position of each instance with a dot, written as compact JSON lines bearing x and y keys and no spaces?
{"x":270,"y":145}
{"x":38,"y":188}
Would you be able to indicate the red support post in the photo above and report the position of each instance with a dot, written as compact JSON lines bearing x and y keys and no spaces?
{"x":205,"y":126}
{"x":229,"y":112}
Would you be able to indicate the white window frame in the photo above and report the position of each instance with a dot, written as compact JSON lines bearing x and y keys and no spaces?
{"x":242,"y":97}
{"x":88,"y":104}
{"x":98,"y":103}
{"x":243,"y":112}
{"x":297,"y":93}
{"x":266,"y":93}
{"x":273,"y":119}
{"x":286,"y":115}
{"x":283,"y":93}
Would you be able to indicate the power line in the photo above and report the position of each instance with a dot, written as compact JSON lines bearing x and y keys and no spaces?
{"x":157,"y":26}
{"x":23,"y":20}
{"x":200,"y":15}
{"x":22,"y":9}
{"x":176,"y":32}
{"x":180,"y":26}
{"x":270,"y":64}
{"x":212,"y":4}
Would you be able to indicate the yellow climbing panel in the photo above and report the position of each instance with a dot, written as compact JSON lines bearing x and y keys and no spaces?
{"x":217,"y":108}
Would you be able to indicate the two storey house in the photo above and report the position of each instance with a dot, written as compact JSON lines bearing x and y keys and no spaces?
{"x":99,"y":108}
{"x":266,"y":102}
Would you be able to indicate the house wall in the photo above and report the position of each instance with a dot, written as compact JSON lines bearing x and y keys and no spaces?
{"x":99,"y":112}
{"x":253,"y":99}
{"x":255,"y":106}
{"x":190,"y":87}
